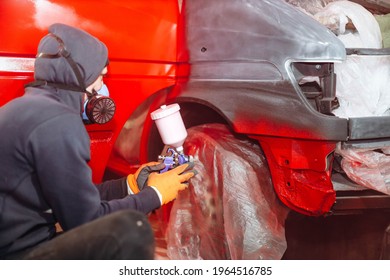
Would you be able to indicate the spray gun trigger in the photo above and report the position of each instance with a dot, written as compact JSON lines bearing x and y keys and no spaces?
{"x":171,"y":158}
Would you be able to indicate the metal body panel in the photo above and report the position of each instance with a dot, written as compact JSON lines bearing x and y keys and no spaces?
{"x":240,"y":54}
{"x":266,"y":108}
{"x":255,"y":31}
{"x":369,"y":128}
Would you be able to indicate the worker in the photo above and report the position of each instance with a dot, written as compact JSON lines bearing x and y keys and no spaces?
{"x":44,"y":174}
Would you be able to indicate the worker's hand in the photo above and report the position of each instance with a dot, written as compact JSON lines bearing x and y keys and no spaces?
{"x":171,"y":182}
{"x":138,"y":180}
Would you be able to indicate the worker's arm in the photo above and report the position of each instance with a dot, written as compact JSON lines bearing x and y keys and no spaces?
{"x":65,"y":178}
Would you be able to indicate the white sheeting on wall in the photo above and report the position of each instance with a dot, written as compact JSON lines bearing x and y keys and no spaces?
{"x":363,"y":82}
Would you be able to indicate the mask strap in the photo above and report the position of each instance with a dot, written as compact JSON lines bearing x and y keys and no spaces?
{"x":63,"y":52}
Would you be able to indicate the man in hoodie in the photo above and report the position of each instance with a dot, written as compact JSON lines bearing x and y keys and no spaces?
{"x":44,"y":174}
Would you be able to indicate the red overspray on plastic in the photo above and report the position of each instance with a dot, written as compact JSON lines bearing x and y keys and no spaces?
{"x":230,"y":210}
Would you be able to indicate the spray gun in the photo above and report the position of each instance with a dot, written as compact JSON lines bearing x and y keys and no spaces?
{"x":173,"y":134}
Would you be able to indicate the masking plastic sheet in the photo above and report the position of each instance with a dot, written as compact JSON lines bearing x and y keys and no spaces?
{"x":230,"y":210}
{"x":367,"y":167}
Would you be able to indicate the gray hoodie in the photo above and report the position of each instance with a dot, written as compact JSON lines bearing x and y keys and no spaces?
{"x":45,"y":149}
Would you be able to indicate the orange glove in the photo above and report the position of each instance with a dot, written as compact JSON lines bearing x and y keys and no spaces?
{"x":171,"y":182}
{"x":132,"y":183}
{"x":137,"y":181}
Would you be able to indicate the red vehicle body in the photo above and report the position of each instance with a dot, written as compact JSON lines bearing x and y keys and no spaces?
{"x":145,"y":49}
{"x":149,"y":66}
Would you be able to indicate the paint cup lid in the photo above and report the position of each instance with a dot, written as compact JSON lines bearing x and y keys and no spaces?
{"x":164,"y":111}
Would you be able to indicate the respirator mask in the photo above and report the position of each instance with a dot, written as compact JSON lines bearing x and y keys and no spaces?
{"x":99,"y":107}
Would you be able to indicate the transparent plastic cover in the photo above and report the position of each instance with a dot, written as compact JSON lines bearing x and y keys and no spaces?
{"x":230,"y":210}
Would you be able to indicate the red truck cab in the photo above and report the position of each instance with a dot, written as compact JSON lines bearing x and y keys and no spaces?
{"x":143,"y":41}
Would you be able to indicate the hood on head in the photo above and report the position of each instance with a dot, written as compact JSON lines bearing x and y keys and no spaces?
{"x":89,"y":54}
